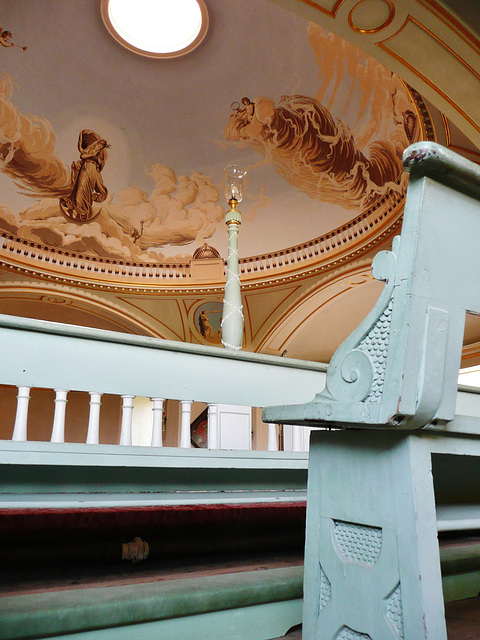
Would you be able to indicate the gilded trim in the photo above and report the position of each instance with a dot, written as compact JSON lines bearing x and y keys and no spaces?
{"x":88,"y":304}
{"x":331,"y":13}
{"x":420,"y":75}
{"x":450,"y":21}
{"x":387,"y":22}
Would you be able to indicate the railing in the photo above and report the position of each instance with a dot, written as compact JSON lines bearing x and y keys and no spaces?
{"x":124,"y":390}
{"x":47,"y":364}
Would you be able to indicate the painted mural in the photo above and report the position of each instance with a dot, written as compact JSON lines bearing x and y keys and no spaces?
{"x":6,"y":39}
{"x":341,"y":146}
{"x":86,"y":179}
{"x":130,"y":224}
{"x":329,"y":160}
{"x":207,"y":319}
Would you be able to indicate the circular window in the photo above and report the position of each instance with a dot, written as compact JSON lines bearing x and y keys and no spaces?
{"x":156,"y":28}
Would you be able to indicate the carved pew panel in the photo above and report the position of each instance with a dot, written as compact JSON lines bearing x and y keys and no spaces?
{"x":399,"y":466}
{"x":399,"y":367}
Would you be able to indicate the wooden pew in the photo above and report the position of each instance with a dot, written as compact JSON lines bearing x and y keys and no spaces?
{"x":394,"y":471}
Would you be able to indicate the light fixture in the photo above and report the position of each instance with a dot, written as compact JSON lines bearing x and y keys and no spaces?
{"x":156,"y":28}
{"x":234,"y":175}
{"x":232,"y":317}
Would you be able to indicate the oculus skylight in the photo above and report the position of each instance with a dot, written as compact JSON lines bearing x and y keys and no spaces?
{"x":156,"y":28}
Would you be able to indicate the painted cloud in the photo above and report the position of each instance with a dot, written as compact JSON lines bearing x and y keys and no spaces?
{"x":351,"y":166}
{"x":132,"y":225}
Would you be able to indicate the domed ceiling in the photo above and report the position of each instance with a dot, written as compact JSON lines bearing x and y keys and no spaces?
{"x":105,"y":154}
{"x":111,"y":164}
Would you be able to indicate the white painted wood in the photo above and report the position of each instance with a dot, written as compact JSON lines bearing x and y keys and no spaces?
{"x":142,"y":422}
{"x":234,"y":475}
{"x":213,"y":434}
{"x":93,"y":433}
{"x":21,"y":417}
{"x":372,"y":543}
{"x":235,"y":427}
{"x":458,"y":517}
{"x":185,"y":436}
{"x":272,"y":441}
{"x":157,"y":435}
{"x":127,"y":413}
{"x":297,"y":439}
{"x":27,"y":344}
{"x":58,"y":429}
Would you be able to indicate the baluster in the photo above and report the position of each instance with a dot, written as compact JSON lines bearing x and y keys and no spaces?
{"x":58,"y":429}
{"x":212,"y":429}
{"x":93,"y":433}
{"x":272,"y":442}
{"x":297,"y":440}
{"x":157,"y":430}
{"x":20,"y":427}
{"x":185,"y":437}
{"x":126,"y":429}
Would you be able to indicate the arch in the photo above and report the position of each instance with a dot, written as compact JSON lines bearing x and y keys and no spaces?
{"x":63,"y":304}
{"x":326,"y":311}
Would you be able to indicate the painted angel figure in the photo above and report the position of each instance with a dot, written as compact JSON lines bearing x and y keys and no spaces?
{"x":86,"y":178}
{"x":5,"y":39}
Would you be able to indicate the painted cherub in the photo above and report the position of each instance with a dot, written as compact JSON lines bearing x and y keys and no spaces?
{"x":5,"y":39}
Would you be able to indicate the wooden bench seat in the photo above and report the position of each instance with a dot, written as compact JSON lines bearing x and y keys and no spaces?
{"x":255,"y":604}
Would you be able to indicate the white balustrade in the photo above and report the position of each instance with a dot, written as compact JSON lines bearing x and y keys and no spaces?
{"x":212,"y":433}
{"x":272,"y":441}
{"x":126,"y":428}
{"x":93,"y":433}
{"x":229,"y":426}
{"x":157,"y":428}
{"x":20,"y":427}
{"x":185,"y":437}
{"x":58,"y":429}
{"x":297,"y":438}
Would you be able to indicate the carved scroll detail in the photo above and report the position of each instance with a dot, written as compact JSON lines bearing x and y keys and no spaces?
{"x":357,"y":370}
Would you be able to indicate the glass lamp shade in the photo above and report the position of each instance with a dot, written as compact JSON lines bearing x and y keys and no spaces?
{"x":234,"y":174}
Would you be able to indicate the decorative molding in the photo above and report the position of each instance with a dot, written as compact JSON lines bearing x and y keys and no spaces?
{"x":448,"y":19}
{"x":380,"y":27}
{"x":332,"y":12}
{"x":88,"y":302}
{"x":421,"y":32}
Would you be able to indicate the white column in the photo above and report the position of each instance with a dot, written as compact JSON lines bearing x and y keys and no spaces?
{"x":212,"y":429}
{"x":272,"y":442}
{"x":297,"y":438}
{"x":93,"y":433}
{"x":185,"y":437}
{"x":58,"y":429}
{"x":157,"y":435}
{"x":126,"y":429}
{"x":232,"y":317}
{"x":20,"y":427}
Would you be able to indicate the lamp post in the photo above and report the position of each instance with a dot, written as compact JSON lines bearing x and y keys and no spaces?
{"x":232,"y":317}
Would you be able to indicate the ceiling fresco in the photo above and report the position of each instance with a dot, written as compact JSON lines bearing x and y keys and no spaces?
{"x":106,"y":154}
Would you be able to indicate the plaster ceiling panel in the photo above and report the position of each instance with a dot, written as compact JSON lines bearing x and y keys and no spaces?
{"x":109,"y":154}
{"x":164,"y":313}
{"x":55,"y":307}
{"x":263,"y":307}
{"x":316,"y":327}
